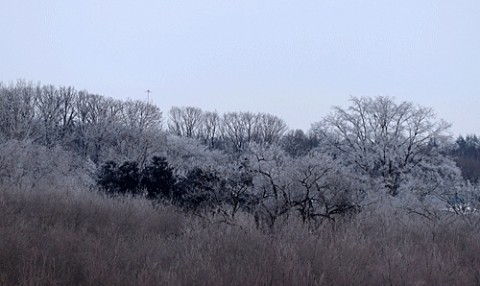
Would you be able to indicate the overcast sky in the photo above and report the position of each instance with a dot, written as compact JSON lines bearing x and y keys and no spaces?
{"x":294,"y":59}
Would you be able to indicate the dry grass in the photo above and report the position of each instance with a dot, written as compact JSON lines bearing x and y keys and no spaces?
{"x":81,"y":238}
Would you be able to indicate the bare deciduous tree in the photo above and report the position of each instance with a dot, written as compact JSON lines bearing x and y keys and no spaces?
{"x":238,"y":128}
{"x":269,"y":128}
{"x":185,"y":121}
{"x":296,"y":143}
{"x":142,"y":115}
{"x":17,"y":110}
{"x":68,"y":98}
{"x":211,"y":128}
{"x":383,"y":139}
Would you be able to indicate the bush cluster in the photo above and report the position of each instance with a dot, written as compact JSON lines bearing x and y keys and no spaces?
{"x":197,"y":190}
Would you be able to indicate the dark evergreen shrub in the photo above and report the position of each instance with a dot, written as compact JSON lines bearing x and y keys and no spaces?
{"x":158,"y":179}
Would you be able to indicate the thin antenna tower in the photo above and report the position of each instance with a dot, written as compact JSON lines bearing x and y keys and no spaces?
{"x":148,"y":91}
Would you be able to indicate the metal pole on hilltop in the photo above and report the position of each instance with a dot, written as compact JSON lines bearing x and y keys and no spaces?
{"x":148,"y":91}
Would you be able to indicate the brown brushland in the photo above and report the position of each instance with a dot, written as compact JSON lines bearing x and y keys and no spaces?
{"x":82,"y":238}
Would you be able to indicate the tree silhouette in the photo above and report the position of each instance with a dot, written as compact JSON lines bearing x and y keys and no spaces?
{"x":158,"y":179}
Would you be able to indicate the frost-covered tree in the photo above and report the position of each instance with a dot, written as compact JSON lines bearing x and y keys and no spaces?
{"x":386,"y":142}
{"x":210,"y":132}
{"x":316,"y":187}
{"x":184,"y":154}
{"x":268,"y":128}
{"x":141,"y":115}
{"x":29,"y":166}
{"x":99,"y":128}
{"x":185,"y":121}
{"x":322,"y":188}
{"x":17,"y":110}
{"x":272,"y":185}
{"x":238,"y":187}
{"x":68,"y":112}
{"x":238,"y":129}
{"x":110,"y":129}
{"x":296,"y":143}
{"x":49,"y":106}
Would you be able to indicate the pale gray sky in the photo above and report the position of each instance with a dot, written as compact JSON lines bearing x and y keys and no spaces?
{"x":294,"y":59}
